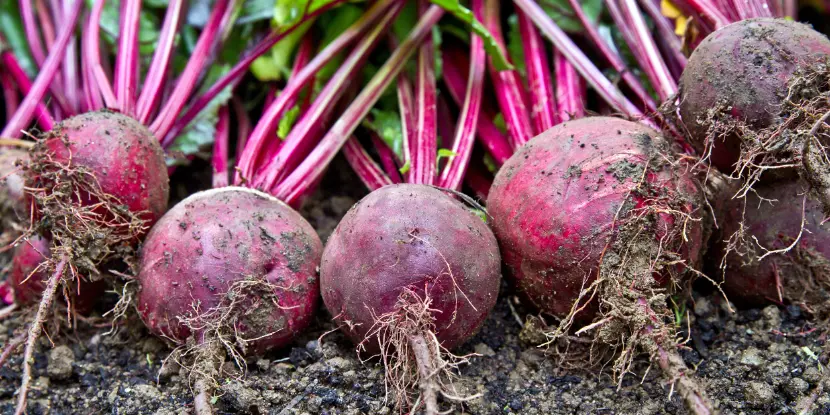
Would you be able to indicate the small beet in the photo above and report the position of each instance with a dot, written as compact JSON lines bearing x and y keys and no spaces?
{"x":410,"y":270}
{"x":800,"y":275}
{"x":29,"y":270}
{"x":597,"y":222}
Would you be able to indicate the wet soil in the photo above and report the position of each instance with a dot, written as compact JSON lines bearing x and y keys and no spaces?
{"x":757,"y":361}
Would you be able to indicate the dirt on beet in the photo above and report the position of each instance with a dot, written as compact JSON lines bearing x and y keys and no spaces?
{"x":755,"y":361}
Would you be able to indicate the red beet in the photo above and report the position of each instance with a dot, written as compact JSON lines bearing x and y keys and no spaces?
{"x":32,"y":255}
{"x":801,"y":275}
{"x":215,"y":249}
{"x":409,"y":266}
{"x":743,"y":72}
{"x":555,"y":201}
{"x":123,"y":156}
{"x":599,"y":208}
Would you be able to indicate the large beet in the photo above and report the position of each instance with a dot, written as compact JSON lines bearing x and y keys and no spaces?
{"x":409,"y":266}
{"x":594,"y":217}
{"x":212,"y":251}
{"x":554,"y":205}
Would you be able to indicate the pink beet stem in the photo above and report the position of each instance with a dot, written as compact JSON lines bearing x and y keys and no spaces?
{"x":198,"y":62}
{"x":101,"y":87}
{"x":312,"y":168}
{"x":650,"y":57}
{"x":425,"y":146}
{"x":243,"y":125}
{"x":666,"y":32}
{"x":32,"y":36}
{"x":488,"y":134}
{"x":126,"y":69}
{"x":367,"y":170}
{"x":239,"y":70}
{"x":306,"y":132}
{"x":453,"y":173}
{"x":613,"y":58}
{"x":9,"y":92}
{"x":387,"y":158}
{"x":708,"y":10}
{"x":24,"y":114}
{"x":542,"y":103}
{"x":608,"y":91}
{"x":266,"y":128}
{"x":71,"y":71}
{"x":570,"y":89}
{"x":156,"y":74}
{"x":510,"y":92}
{"x":220,"y":149}
{"x":406,"y":105}
{"x":19,"y":78}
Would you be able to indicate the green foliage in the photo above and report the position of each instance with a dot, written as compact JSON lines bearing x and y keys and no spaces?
{"x":11,"y":26}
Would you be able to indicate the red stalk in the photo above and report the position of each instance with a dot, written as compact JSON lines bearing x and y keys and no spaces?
{"x":367,"y":170}
{"x":198,"y":62}
{"x":488,"y":134}
{"x":309,"y":127}
{"x":32,"y":35}
{"x":101,"y":93}
{"x":243,"y":125}
{"x":425,"y":146}
{"x":18,"y":77}
{"x":406,"y":104}
{"x":221,"y":175}
{"x":126,"y":60}
{"x":542,"y":103}
{"x":313,"y":166}
{"x":24,"y":114}
{"x":387,"y":158}
{"x":674,"y":49}
{"x":156,"y":75}
{"x":239,"y":70}
{"x":608,"y":91}
{"x":510,"y":92}
{"x":662,"y":80}
{"x":456,"y":166}
{"x":71,"y":70}
{"x":570,"y":89}
{"x":9,"y":92}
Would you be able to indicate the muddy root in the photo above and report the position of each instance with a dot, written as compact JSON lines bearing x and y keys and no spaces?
{"x":675,"y":370}
{"x":412,"y":356}
{"x":35,"y":330}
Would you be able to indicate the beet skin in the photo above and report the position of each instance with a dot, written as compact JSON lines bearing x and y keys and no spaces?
{"x":217,"y":239}
{"x":416,"y":237}
{"x":555,"y":201}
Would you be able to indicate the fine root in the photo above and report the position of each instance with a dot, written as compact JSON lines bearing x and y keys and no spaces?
{"x":412,"y":356}
{"x":11,"y":347}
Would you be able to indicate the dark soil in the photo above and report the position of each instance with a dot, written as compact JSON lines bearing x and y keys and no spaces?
{"x":752,"y":361}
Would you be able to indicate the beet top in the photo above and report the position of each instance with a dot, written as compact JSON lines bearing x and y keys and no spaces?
{"x":410,"y":267}
{"x":594,"y":217}
{"x":230,"y":261}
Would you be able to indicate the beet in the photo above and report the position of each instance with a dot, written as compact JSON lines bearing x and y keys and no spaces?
{"x":29,"y":272}
{"x":12,"y":197}
{"x":409,"y":269}
{"x":235,"y":270}
{"x":599,"y":208}
{"x":798,"y":276}
{"x":754,"y":97}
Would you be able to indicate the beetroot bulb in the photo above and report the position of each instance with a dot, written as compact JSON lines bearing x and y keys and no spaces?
{"x":228,"y":272}
{"x":751,"y":97}
{"x":776,"y":250}
{"x":410,"y":273}
{"x":598,"y":223}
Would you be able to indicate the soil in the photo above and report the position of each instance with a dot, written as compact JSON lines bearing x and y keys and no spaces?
{"x":756,"y":361}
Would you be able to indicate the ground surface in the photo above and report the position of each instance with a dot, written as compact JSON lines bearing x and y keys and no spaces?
{"x":753,"y":362}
